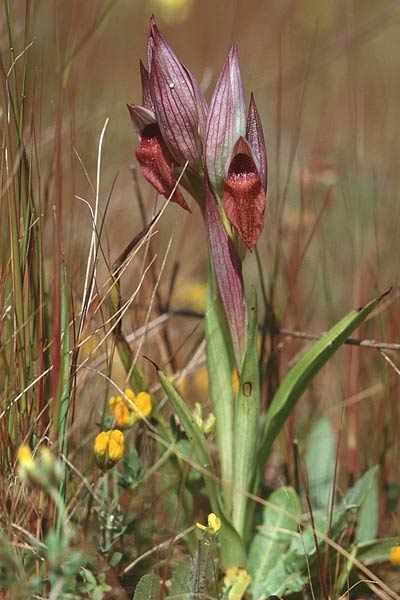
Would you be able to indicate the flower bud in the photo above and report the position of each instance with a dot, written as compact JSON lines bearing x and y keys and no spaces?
{"x":108,"y":448}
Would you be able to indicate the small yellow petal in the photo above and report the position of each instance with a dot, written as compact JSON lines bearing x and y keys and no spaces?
{"x":199,"y":421}
{"x":214,"y":523}
{"x":114,"y":401}
{"x":116,"y":445}
{"x":209,"y":423}
{"x":238,"y":579}
{"x":143,"y":405}
{"x":24,"y":456}
{"x":101,"y":443}
{"x":122,"y":415}
{"x":129,"y":394}
{"x":394,"y":556}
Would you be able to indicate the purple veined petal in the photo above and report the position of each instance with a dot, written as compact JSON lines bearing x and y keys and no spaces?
{"x":146,"y":95}
{"x":150,"y":44}
{"x":228,"y":270}
{"x":226,"y":121}
{"x":255,"y":137}
{"x":140,"y":117}
{"x":178,"y":103}
{"x":244,"y":196}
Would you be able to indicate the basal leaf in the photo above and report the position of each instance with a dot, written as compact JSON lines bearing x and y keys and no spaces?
{"x":301,"y":375}
{"x":320,"y":461}
{"x":148,"y":588}
{"x":271,"y":541}
{"x":368,"y":519}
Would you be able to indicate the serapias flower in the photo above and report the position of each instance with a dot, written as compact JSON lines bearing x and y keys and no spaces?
{"x":213,"y":524}
{"x":394,"y":556}
{"x":108,"y":448}
{"x":220,"y":144}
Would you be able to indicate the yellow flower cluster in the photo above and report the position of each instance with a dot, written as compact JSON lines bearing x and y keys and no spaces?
{"x":130,"y":408}
{"x":108,"y":448}
{"x":109,"y":445}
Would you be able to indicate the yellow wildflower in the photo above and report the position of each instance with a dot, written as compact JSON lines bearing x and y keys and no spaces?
{"x":116,"y":445}
{"x":44,"y":470}
{"x":394,"y":556}
{"x":108,"y":448}
{"x":213,"y":524}
{"x":141,"y":404}
{"x":24,"y":456}
{"x":122,"y":415}
{"x":27,"y":468}
{"x":238,"y":580}
{"x":205,"y":425}
{"x":130,"y":408}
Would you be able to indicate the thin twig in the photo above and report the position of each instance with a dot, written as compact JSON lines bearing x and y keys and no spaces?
{"x":304,"y":335}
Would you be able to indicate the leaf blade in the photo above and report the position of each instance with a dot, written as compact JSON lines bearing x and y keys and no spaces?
{"x":299,"y":377}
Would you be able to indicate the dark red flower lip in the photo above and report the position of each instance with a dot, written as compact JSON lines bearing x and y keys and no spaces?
{"x":157,"y":164}
{"x":244,"y":196}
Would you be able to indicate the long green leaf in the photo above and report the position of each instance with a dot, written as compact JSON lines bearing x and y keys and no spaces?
{"x":220,"y":364}
{"x":247,"y":416}
{"x":300,"y":376}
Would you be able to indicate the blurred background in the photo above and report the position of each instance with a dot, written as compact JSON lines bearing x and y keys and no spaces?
{"x":326,"y":80}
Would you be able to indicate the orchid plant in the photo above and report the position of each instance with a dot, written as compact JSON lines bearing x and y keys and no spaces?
{"x":217,"y":153}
